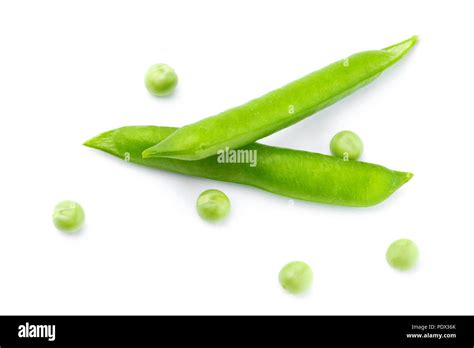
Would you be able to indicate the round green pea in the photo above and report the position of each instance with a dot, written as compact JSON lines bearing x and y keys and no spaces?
{"x":296,"y":277}
{"x":347,"y":145}
{"x":213,"y":205}
{"x":68,"y":216}
{"x":402,"y":254}
{"x":161,"y":80}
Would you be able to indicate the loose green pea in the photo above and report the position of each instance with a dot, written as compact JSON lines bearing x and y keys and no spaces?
{"x":213,"y":205}
{"x":68,"y":216}
{"x":347,"y":145}
{"x":161,"y":80}
{"x":402,"y":254}
{"x":296,"y":277}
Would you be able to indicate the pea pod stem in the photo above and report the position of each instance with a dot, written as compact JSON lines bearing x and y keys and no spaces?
{"x":292,"y":173}
{"x":278,"y":109}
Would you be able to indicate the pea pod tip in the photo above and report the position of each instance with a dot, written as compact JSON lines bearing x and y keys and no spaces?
{"x":149,"y":153}
{"x":89,"y":143}
{"x":401,"y":48}
{"x":159,"y":151}
{"x":103,"y":141}
{"x":404,"y":177}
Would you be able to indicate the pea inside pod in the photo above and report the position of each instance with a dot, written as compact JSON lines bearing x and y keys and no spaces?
{"x":278,"y":109}
{"x":292,"y":173}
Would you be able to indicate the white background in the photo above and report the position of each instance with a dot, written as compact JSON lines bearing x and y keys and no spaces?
{"x":72,"y":69}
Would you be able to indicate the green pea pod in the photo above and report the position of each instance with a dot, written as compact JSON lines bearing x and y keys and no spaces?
{"x":292,"y":173}
{"x":278,"y":109}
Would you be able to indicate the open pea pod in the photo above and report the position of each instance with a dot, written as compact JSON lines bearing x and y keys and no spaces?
{"x":292,"y":173}
{"x":278,"y":109}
